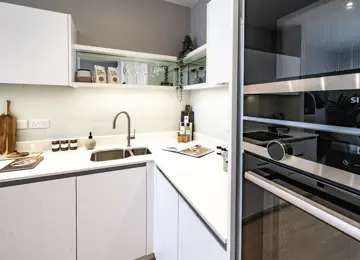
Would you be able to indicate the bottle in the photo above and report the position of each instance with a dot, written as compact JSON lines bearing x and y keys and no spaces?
{"x":90,"y":142}
{"x":188,"y":130}
{"x":182,"y":128}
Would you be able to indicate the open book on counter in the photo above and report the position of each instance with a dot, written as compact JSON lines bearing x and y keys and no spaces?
{"x":194,"y":150}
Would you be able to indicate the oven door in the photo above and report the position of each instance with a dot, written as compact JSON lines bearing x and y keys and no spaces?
{"x":287,"y":215}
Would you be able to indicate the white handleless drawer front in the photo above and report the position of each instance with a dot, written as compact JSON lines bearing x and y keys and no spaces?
{"x":195,"y":240}
{"x":38,"y":221}
{"x":180,"y":233}
{"x":34,"y":46}
{"x":111,"y":215}
{"x":166,"y":219}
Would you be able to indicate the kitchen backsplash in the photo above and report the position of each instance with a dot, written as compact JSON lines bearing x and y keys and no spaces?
{"x":212,"y":109}
{"x":76,"y":112}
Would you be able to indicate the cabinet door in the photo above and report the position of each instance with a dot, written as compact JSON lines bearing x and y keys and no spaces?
{"x":38,"y":221}
{"x":111,"y":215}
{"x":166,"y":219}
{"x":195,"y":241}
{"x":34,"y":46}
{"x":218,"y":42}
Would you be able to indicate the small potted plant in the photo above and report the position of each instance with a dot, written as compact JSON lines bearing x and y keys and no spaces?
{"x":166,"y":78}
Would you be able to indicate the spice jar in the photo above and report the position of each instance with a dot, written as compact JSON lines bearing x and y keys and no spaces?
{"x":55,"y":146}
{"x":64,"y":145}
{"x":83,"y":75}
{"x":73,"y":144}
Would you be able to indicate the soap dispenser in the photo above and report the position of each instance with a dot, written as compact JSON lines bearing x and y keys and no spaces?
{"x":90,"y":142}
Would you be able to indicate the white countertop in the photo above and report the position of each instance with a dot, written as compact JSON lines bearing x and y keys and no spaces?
{"x":201,"y":181}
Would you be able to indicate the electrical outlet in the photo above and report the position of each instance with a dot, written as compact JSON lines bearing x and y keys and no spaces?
{"x":21,"y":124}
{"x":39,"y":123}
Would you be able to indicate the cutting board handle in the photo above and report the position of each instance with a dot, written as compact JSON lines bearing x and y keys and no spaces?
{"x":7,"y":107}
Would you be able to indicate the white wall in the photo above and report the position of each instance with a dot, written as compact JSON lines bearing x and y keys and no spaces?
{"x":75,"y":112}
{"x":212,"y":112}
{"x":198,"y":22}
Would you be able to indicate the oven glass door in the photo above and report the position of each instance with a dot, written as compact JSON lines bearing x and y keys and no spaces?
{"x":296,"y":221}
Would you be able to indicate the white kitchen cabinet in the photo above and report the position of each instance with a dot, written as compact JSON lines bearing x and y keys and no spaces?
{"x":219,"y":46}
{"x":195,"y":240}
{"x":111,"y":215}
{"x":35,"y":46}
{"x":38,"y":221}
{"x":166,"y":219}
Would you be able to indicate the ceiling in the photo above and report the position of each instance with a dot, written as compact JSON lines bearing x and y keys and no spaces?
{"x":187,"y":3}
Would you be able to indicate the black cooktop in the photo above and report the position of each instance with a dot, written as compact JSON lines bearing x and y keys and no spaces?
{"x":264,"y":136}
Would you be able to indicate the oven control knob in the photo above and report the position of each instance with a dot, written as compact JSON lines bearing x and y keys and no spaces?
{"x":278,"y":150}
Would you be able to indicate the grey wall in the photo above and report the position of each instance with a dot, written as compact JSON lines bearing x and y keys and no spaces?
{"x":140,"y":25}
{"x":198,"y":22}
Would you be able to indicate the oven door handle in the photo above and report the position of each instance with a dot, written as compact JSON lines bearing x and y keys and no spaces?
{"x":338,"y":221}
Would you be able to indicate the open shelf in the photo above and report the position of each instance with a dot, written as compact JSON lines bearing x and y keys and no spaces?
{"x":196,"y":54}
{"x":121,"y":86}
{"x":204,"y":86}
{"x":123,"y":53}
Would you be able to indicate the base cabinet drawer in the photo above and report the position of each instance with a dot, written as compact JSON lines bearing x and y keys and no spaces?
{"x":38,"y":221}
{"x":179,"y":233}
{"x":111,"y":215}
{"x":195,"y":240}
{"x":166,"y":219}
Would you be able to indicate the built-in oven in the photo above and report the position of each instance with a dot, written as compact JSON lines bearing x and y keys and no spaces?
{"x":328,"y":121}
{"x":292,"y":214}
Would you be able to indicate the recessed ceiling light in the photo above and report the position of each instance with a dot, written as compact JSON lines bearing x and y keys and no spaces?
{"x":349,"y":5}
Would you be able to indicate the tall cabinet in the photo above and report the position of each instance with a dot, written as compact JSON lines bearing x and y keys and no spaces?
{"x":35,"y":46}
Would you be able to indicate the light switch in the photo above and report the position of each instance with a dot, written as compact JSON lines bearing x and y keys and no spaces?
{"x":21,"y":124}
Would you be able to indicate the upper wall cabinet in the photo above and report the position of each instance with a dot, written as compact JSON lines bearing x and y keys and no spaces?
{"x":218,"y":42}
{"x":35,"y":46}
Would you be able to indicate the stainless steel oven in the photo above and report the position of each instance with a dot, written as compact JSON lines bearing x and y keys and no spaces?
{"x":291,"y":214}
{"x":299,"y":182}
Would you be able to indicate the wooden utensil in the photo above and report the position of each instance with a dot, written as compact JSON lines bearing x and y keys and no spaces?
{"x":7,"y":131}
{"x":17,"y":154}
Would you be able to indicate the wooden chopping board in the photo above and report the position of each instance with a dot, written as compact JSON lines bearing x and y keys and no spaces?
{"x":7,"y":131}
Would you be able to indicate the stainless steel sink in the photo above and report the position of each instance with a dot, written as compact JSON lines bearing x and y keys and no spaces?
{"x":116,"y":154}
{"x":140,"y":151}
{"x":108,"y":155}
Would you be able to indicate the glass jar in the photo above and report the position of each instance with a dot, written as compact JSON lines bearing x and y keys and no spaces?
{"x":55,"y":146}
{"x":73,"y":144}
{"x":64,"y":145}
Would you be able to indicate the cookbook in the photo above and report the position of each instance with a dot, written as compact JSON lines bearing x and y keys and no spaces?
{"x":22,"y":164}
{"x":192,"y":150}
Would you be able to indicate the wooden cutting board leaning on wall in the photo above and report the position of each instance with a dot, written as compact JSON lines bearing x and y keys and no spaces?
{"x":7,"y":131}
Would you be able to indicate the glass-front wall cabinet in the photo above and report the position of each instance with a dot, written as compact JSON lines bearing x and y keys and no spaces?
{"x":292,"y":39}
